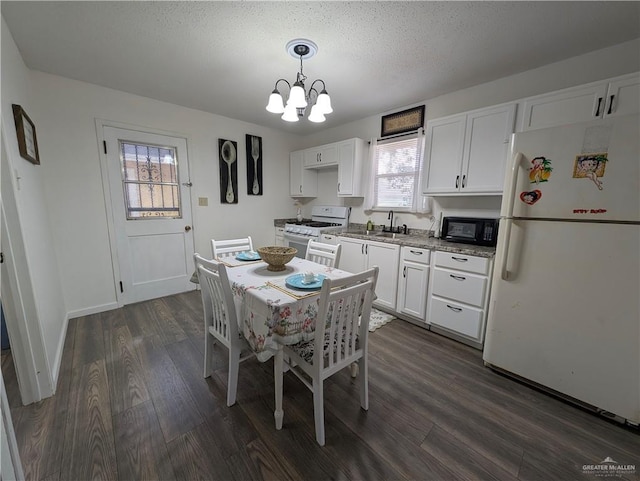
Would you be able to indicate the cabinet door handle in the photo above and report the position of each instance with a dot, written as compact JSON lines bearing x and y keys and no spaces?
{"x":458,"y":278}
{"x":457,"y":180}
{"x":301,"y":188}
{"x":610,"y":105}
{"x":459,"y":259}
{"x":404,"y":271}
{"x":362,"y":249}
{"x":366,"y":249}
{"x":464,"y":180}
{"x":338,"y":186}
{"x":418,"y":253}
{"x":598,"y":108}
{"x":454,"y":309}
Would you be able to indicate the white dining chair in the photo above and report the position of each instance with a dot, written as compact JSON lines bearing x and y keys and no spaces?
{"x":339,"y":341}
{"x":325,"y":254}
{"x":220,"y":321}
{"x":230,"y":247}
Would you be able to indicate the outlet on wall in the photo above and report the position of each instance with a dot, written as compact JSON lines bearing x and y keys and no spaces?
{"x":203,"y":201}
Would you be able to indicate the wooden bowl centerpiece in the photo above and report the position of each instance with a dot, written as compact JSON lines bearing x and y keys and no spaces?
{"x":277,"y":256}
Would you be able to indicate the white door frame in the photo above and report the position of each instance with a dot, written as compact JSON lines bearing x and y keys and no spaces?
{"x":10,"y":465}
{"x":104,"y":169}
{"x":23,"y":325}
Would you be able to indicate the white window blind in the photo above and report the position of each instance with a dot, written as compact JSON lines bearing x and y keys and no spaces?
{"x":396,"y":174}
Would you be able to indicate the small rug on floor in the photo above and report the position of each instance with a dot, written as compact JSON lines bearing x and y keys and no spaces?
{"x":378,"y":319}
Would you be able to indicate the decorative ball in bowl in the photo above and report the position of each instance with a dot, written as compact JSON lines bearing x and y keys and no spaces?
{"x":277,"y":256}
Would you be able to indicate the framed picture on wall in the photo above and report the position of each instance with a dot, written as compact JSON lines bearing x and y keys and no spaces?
{"x":401,"y":122}
{"x":228,"y":152}
{"x":26,"y":130}
{"x":254,"y":165}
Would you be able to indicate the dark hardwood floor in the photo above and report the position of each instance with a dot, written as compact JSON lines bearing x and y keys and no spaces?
{"x":131,"y":404}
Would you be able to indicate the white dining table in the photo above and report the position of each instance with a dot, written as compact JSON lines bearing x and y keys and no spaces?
{"x":269,"y":310}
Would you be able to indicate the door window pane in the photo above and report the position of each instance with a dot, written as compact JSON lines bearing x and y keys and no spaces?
{"x":150,"y":178}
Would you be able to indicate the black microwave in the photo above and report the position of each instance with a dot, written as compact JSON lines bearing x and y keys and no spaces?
{"x":470,"y":230}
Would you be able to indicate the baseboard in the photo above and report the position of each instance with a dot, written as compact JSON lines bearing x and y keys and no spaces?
{"x":58,"y":360}
{"x":92,"y":310}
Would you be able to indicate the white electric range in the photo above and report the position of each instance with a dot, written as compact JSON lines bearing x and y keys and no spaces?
{"x":324,"y":219}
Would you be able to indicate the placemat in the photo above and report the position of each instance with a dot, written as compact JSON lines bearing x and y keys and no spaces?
{"x":233,"y":262}
{"x":293,"y":292}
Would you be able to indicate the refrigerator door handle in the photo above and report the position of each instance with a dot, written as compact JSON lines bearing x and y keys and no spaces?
{"x":508,"y":220}
{"x":513,"y":183}
{"x":504,"y":272}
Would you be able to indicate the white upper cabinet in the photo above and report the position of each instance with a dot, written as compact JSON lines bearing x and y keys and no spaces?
{"x":623,"y":96}
{"x":347,"y":155}
{"x":467,"y":153}
{"x":445,"y":146}
{"x":323,"y":156}
{"x":351,"y":156}
{"x":619,"y":96}
{"x":302,"y":182}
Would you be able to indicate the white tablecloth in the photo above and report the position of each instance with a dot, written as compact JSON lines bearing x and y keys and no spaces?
{"x":266,"y":313}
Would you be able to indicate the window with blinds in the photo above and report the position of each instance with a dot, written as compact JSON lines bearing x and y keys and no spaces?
{"x":396,"y":173}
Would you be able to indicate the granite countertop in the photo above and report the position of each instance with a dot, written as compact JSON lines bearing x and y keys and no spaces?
{"x":282,"y":222}
{"x":424,"y":241}
{"x":416,"y":238}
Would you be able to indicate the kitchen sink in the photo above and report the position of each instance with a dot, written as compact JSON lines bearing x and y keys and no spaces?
{"x":392,"y":235}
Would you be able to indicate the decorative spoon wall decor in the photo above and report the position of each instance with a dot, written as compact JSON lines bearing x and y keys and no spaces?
{"x":228,"y":153}
{"x":254,"y":165}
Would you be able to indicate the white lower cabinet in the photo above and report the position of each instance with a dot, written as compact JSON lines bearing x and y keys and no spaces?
{"x":279,"y":237}
{"x":413,"y":279}
{"x":359,"y":255}
{"x":459,"y":295}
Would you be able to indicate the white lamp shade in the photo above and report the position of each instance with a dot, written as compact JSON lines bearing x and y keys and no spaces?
{"x":290,"y":113}
{"x":297,"y":97}
{"x":316,"y":115}
{"x":275,"y":105}
{"x":324,"y":102}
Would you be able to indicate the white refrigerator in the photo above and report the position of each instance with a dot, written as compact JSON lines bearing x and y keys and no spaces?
{"x":564,"y":310}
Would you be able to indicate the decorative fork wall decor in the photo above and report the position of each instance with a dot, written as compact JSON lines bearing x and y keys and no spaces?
{"x":254,"y":165}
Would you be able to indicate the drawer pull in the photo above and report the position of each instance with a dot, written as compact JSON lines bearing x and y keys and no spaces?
{"x":454,"y":309}
{"x":418,"y":253}
{"x":458,"y":278}
{"x":459,"y":259}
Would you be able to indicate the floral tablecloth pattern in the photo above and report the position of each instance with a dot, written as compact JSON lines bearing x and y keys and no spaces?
{"x":265,"y":313}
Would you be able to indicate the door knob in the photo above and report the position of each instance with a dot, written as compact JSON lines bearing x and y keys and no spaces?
{"x":187,"y":228}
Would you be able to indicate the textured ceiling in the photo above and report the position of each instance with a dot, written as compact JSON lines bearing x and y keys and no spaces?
{"x":224,"y":57}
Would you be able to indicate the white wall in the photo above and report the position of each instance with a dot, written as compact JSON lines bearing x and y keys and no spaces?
{"x":38,"y":300}
{"x":598,"y":65}
{"x":66,"y":113}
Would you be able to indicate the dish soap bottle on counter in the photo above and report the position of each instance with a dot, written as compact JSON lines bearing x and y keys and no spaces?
{"x":370,"y":225}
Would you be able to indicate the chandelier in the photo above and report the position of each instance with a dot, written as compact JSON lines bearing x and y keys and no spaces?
{"x":299,"y":99}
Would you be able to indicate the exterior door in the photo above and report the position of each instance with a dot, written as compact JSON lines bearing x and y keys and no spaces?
{"x":150,"y":199}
